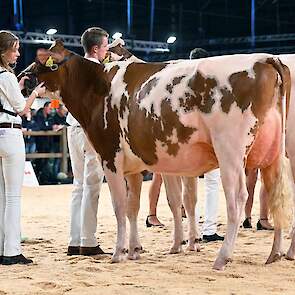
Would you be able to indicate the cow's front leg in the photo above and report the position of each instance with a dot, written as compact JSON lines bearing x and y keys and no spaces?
{"x":173,"y":191}
{"x":117,"y":186}
{"x":189,"y":198}
{"x":234,"y":184}
{"x":134,"y":183}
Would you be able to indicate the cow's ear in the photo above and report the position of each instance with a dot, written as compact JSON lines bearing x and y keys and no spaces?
{"x":58,"y":43}
{"x":43,"y":55}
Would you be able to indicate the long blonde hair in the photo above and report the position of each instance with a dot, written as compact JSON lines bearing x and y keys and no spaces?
{"x":7,"y":41}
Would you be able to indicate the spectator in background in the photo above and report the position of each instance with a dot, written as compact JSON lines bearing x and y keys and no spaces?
{"x":263,"y":222}
{"x":59,"y":121}
{"x":29,"y":124}
{"x":154,"y":193}
{"x":44,"y":144}
{"x":59,"y":118}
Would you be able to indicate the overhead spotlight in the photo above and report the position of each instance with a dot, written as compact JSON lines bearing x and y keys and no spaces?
{"x":51,"y":31}
{"x":171,"y":39}
{"x":117,"y":35}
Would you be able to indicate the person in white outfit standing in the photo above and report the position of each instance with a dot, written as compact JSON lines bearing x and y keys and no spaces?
{"x":209,"y":229}
{"x":87,"y":169}
{"x":12,"y":150}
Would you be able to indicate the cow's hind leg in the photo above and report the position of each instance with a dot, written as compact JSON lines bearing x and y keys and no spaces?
{"x":173,"y":191}
{"x":235,"y":189}
{"x":134,"y":183}
{"x":232,"y":171}
{"x":189,"y":198}
{"x":276,"y":183}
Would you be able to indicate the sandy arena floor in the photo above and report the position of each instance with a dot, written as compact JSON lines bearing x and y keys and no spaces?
{"x":45,"y":223}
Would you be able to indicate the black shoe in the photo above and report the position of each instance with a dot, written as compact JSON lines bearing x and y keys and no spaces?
{"x":1,"y":259}
{"x":259,"y":226}
{"x":73,"y":250}
{"x":247,"y":223}
{"x":18,"y":259}
{"x":89,"y":251}
{"x":148,"y":224}
{"x":212,"y":238}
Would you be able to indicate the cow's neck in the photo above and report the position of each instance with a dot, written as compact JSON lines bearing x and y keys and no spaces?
{"x":84,"y":88}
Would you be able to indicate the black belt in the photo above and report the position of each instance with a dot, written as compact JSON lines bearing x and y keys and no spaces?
{"x":10,"y":125}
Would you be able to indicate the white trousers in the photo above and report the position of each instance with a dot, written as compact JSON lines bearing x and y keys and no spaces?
{"x":212,"y":180}
{"x":88,"y":177}
{"x":12,"y":165}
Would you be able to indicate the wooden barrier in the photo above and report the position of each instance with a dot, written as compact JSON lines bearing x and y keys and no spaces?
{"x":64,"y":147}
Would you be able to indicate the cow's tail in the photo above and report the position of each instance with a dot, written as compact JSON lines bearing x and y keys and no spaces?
{"x":280,"y":205}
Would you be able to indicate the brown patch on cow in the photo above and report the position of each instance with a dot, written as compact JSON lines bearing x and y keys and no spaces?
{"x":123,"y":105}
{"x":245,"y":90}
{"x":201,"y":96}
{"x":147,"y":88}
{"x":175,"y":81}
{"x":145,"y":129}
{"x":121,"y":51}
{"x":138,"y":73}
{"x":113,"y":71}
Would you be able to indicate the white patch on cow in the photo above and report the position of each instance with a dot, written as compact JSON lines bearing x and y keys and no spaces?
{"x":173,"y":138}
{"x":251,"y":73}
{"x":232,"y":126}
{"x":117,"y":42}
{"x":115,"y":57}
{"x":105,"y":113}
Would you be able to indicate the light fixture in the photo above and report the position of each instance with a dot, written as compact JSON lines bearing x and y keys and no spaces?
{"x":117,"y":35}
{"x":171,"y":39}
{"x":51,"y":31}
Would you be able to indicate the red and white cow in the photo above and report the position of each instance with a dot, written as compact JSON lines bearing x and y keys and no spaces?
{"x":182,"y":118}
{"x":189,"y":185}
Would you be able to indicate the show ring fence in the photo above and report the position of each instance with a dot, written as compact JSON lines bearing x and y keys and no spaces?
{"x":64,"y":147}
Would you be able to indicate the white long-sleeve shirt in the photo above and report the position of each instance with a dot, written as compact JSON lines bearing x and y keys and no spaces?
{"x":11,"y":97}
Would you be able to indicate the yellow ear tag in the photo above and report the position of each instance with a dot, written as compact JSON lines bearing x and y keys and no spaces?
{"x":49,"y":62}
{"x":106,"y":60}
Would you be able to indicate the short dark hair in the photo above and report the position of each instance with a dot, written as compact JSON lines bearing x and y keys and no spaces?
{"x":92,"y":36}
{"x":198,"y":53}
{"x":46,"y":104}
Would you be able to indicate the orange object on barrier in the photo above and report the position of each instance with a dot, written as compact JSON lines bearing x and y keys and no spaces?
{"x":54,"y":103}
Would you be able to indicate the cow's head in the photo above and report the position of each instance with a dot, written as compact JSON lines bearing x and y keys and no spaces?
{"x":117,"y":51}
{"x":46,"y":67}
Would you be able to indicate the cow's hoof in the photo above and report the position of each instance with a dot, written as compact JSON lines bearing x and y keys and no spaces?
{"x":135,"y":253}
{"x":175,"y":250}
{"x":274,"y":257}
{"x":119,"y":256}
{"x":133,"y":256}
{"x":290,"y":255}
{"x":194,"y":247}
{"x":220,"y":263}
